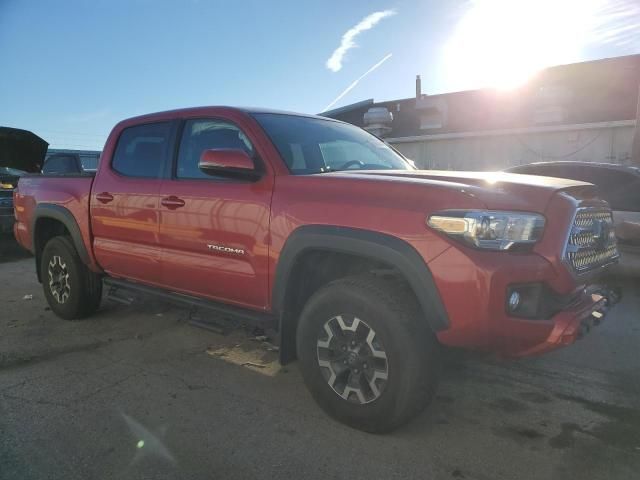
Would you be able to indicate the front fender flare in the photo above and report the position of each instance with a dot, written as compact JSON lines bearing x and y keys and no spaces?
{"x":363,"y":243}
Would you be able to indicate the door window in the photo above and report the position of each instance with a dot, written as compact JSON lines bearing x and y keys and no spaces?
{"x":142,"y":150}
{"x":203,"y":134}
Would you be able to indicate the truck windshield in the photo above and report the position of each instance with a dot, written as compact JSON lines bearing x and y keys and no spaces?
{"x":315,"y":145}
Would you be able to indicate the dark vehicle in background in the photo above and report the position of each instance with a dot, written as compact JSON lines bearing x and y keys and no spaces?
{"x":21,"y":152}
{"x":619,"y":185}
{"x":71,"y":163}
{"x":8,"y":182}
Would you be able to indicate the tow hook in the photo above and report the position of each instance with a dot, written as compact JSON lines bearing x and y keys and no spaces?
{"x":611,"y":296}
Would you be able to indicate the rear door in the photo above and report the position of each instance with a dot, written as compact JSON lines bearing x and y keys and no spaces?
{"x":214,"y":230}
{"x":125,"y":203}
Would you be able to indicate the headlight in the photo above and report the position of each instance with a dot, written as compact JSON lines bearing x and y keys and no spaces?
{"x":488,"y":229}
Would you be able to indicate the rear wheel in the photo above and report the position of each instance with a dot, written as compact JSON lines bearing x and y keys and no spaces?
{"x":71,"y":289}
{"x":367,"y":357}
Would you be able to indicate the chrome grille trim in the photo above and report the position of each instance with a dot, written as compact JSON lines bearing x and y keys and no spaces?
{"x":584,"y":250}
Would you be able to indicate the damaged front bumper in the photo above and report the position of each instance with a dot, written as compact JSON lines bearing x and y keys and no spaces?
{"x":577,"y":320}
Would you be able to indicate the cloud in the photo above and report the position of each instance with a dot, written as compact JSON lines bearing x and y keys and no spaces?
{"x":348,"y":39}
{"x":356,"y":81}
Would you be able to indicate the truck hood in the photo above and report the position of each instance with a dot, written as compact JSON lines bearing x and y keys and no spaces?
{"x":22,"y":150}
{"x":496,"y":190}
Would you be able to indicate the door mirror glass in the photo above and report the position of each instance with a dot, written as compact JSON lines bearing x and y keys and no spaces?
{"x":231,"y":161}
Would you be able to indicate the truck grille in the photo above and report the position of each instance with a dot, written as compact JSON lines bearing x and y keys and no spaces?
{"x":592,"y":240}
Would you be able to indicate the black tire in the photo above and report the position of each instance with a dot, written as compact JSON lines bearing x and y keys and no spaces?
{"x":412,"y":352}
{"x":81,"y":294}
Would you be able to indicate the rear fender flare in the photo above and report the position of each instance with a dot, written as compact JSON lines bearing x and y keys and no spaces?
{"x":66,"y":218}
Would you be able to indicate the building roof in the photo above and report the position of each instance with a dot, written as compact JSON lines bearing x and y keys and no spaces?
{"x":589,"y":92}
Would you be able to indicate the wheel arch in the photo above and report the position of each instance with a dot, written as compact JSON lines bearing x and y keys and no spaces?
{"x":52,"y":218}
{"x":357,"y":243}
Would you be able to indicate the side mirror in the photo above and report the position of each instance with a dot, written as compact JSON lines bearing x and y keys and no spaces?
{"x":230,"y":162}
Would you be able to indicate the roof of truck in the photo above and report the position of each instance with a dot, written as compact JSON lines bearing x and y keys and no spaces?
{"x":209,"y":109}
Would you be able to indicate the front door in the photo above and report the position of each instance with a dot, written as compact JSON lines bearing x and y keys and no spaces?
{"x":214,"y":230}
{"x":126,"y":200}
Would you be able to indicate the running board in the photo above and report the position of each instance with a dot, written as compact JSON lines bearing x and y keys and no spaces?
{"x":117,"y":287}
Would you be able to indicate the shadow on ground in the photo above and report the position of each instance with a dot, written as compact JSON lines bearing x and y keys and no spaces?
{"x":10,"y":250}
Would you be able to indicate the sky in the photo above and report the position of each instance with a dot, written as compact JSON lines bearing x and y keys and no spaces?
{"x":70,"y":70}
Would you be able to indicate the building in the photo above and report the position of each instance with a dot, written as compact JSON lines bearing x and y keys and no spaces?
{"x":585,"y":112}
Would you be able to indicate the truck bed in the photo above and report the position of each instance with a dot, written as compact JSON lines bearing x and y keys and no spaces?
{"x":72,"y":192}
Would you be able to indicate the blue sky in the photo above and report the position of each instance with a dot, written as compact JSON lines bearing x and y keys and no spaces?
{"x":70,"y":70}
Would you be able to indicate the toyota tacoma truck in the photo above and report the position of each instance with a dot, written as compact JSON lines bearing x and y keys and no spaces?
{"x":366,"y":266}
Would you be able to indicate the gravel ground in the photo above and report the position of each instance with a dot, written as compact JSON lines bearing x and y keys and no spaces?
{"x":136,"y":392}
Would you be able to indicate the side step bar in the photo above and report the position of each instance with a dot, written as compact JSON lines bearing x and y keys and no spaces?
{"x":259,"y":319}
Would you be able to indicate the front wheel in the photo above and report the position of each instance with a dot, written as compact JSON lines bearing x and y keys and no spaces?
{"x":367,"y":357}
{"x":71,"y":289}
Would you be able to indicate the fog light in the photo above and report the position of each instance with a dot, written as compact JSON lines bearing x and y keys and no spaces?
{"x":514,"y":301}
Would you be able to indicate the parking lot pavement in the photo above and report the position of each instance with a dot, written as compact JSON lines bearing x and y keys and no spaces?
{"x":9,"y":249}
{"x":136,"y":392}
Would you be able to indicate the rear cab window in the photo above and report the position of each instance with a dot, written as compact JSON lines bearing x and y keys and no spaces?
{"x":142,"y":151}
{"x":89,"y":162}
{"x":61,"y":165}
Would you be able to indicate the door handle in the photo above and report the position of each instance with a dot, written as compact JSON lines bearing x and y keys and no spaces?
{"x":172,"y":202}
{"x":104,"y":197}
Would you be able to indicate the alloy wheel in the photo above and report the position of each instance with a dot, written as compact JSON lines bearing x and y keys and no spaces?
{"x":59,"y":279}
{"x":352,"y":359}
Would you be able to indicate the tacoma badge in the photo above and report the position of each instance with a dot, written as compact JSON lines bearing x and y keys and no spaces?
{"x":222,"y":248}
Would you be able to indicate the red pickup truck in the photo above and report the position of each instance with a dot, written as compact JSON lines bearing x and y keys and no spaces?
{"x":366,"y":266}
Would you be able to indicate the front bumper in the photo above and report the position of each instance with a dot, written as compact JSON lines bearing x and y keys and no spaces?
{"x":575,"y":322}
{"x":474,"y":287}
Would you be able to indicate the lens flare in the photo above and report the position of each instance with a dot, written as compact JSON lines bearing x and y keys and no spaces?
{"x":503,"y":43}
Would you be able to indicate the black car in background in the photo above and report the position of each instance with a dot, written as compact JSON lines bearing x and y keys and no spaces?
{"x":619,"y":185}
{"x":8,"y":181}
{"x":21,"y":152}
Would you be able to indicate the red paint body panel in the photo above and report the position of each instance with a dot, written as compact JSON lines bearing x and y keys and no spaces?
{"x":217,"y":213}
{"x":165,"y":232}
{"x":70,"y":192}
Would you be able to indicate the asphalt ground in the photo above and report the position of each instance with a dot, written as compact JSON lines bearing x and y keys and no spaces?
{"x":137,"y":392}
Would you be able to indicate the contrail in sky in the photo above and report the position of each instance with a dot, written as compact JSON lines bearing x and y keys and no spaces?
{"x":356,"y":81}
{"x":348,"y":39}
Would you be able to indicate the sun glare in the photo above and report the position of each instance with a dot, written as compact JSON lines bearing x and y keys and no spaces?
{"x":502,"y":43}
